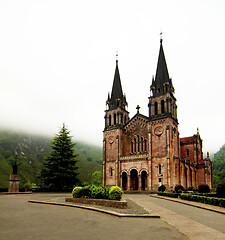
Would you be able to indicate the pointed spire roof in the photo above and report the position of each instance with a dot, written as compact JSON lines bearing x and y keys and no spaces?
{"x":117,"y":92}
{"x":162,"y":75}
{"x":117,"y":98}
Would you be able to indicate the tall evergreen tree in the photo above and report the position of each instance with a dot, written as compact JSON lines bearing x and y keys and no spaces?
{"x":59,"y":167}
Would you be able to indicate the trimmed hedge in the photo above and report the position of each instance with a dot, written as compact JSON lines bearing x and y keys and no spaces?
{"x":220,"y":190}
{"x":162,"y":188}
{"x":169,"y":194}
{"x":203,"y":188}
{"x":203,"y":199}
{"x":178,"y":188}
{"x":113,"y":193}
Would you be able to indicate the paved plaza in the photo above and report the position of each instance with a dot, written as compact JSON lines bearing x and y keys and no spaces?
{"x":20,"y":219}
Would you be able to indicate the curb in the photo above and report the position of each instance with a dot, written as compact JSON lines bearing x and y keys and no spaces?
{"x":97,"y":210}
{"x":190,"y":204}
{"x":10,"y":193}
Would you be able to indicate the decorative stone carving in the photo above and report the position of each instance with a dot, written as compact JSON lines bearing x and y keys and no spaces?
{"x":158,"y":131}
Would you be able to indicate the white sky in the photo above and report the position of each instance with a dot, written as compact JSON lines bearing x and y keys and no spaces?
{"x":57,"y":63}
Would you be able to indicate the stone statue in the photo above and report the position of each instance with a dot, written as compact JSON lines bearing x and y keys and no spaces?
{"x":15,"y":166}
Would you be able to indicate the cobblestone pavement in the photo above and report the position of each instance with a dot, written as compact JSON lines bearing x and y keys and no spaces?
{"x":194,"y":222}
{"x":22,"y":220}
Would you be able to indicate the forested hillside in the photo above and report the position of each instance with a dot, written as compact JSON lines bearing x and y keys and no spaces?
{"x":31,"y":151}
{"x":219,"y":166}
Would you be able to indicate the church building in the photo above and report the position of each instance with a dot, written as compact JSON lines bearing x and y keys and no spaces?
{"x":144,"y":152}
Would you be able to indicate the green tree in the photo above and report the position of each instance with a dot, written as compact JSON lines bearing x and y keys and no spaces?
{"x":97,"y":178}
{"x":59,"y":167}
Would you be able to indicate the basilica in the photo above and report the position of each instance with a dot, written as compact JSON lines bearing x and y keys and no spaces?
{"x":143,"y":152}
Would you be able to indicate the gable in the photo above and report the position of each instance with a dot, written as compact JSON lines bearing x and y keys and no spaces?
{"x":137,"y":126}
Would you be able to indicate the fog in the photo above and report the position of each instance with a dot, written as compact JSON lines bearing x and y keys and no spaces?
{"x":57,"y":63}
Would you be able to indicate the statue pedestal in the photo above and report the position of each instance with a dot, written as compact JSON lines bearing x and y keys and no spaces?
{"x":14,"y":183}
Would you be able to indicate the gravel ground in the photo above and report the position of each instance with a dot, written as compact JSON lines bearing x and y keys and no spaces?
{"x":132,"y":208}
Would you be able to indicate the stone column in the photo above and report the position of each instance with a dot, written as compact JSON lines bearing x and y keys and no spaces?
{"x":13,"y":183}
{"x":128,"y":182}
{"x":139,"y":182}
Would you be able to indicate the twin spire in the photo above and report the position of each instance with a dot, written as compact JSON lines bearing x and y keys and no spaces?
{"x":117,"y":98}
{"x":161,"y":84}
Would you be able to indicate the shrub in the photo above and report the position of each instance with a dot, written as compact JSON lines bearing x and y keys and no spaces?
{"x":115,"y":193}
{"x":100,"y":192}
{"x":76,"y":193}
{"x":169,"y":194}
{"x":178,"y":188}
{"x":220,"y":190}
{"x":162,"y":188}
{"x":85,"y":192}
{"x":203,"y":188}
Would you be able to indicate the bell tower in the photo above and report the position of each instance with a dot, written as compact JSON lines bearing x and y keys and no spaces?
{"x":163,"y":127}
{"x":162,"y":103}
{"x":116,"y":116}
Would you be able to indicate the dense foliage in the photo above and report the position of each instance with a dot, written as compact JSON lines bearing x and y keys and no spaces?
{"x":32,"y":150}
{"x":219,"y":166}
{"x":162,"y":188}
{"x":113,"y":193}
{"x":178,"y":188}
{"x":203,"y":188}
{"x":220,"y":190}
{"x":59,"y":170}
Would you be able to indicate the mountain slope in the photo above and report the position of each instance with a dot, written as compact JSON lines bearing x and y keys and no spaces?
{"x":31,"y":151}
{"x":219,"y":166}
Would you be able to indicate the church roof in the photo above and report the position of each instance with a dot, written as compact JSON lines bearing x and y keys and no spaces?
{"x":117,"y":92}
{"x":117,"y":99}
{"x":187,"y":139}
{"x":162,"y":75}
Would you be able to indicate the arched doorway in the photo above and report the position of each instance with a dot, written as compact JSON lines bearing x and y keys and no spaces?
{"x":124,"y":181}
{"x":143,"y":180}
{"x":133,"y":179}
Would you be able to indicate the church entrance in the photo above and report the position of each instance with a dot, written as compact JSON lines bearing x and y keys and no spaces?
{"x":143,"y":180}
{"x":124,"y":181}
{"x":133,"y":179}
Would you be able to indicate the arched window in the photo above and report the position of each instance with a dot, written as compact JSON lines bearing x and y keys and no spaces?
{"x":114,"y":118}
{"x":156,"y":108}
{"x":110,"y":120}
{"x":145,"y":144}
{"x":111,"y":172}
{"x":187,"y":152}
{"x":162,"y":107}
{"x":121,"y":118}
{"x":125,"y":119}
{"x":138,"y":144}
{"x":135,"y":145}
{"x":142,"y":144}
{"x":160,"y":169}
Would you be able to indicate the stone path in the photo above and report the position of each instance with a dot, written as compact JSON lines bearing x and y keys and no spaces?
{"x":22,"y":220}
{"x":191,"y":228}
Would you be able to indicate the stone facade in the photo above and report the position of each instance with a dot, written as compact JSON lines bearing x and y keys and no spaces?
{"x":143,"y":152}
